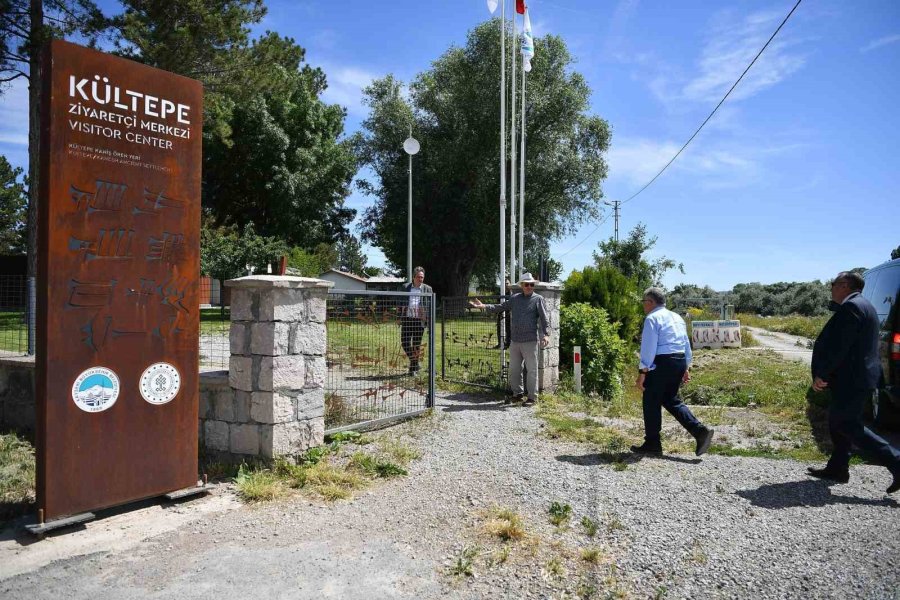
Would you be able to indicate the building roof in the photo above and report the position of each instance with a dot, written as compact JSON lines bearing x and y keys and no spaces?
{"x":385,"y":279}
{"x":345,"y":274}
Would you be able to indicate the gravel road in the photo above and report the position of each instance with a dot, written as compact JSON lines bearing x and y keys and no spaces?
{"x":674,"y":527}
{"x":791,"y":347}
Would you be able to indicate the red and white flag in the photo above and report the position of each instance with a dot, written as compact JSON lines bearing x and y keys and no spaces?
{"x":520,"y":7}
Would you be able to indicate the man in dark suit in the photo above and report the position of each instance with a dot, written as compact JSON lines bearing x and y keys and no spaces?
{"x":414,"y":318}
{"x":845,"y":360}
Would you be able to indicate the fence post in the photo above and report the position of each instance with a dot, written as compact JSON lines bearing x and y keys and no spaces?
{"x":31,"y":316}
{"x":576,"y":358}
{"x":430,"y":402}
{"x":277,"y":365}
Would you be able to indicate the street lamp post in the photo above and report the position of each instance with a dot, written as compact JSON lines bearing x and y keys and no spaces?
{"x":410,"y":146}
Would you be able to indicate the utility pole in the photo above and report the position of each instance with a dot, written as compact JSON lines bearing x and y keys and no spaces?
{"x":616,"y":204}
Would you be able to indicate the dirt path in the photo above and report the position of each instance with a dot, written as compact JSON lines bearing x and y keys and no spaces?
{"x":791,"y":347}
{"x":674,"y":527}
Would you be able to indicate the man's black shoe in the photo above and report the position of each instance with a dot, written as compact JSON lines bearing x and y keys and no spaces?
{"x":826,"y":473}
{"x":529,"y":402}
{"x":704,"y":439}
{"x":647,"y":449}
{"x":895,"y":486}
{"x":507,"y":400}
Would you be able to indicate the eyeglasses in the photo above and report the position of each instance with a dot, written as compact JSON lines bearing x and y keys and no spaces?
{"x":527,"y":285}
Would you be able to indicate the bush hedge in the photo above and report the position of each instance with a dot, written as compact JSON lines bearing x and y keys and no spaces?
{"x":603,"y":352}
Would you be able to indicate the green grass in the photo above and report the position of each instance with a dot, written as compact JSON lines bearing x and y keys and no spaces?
{"x":17,"y":476}
{"x":808,"y":327}
{"x":13,"y":333}
{"x":721,"y":379}
{"x":332,"y":472}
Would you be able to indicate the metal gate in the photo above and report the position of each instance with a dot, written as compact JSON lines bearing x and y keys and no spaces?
{"x":375,"y":340}
{"x":472,"y":343}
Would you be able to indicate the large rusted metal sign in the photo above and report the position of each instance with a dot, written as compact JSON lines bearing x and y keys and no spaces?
{"x":118,"y":277}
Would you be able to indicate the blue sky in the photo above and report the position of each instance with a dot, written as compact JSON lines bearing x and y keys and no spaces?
{"x":795,"y":178}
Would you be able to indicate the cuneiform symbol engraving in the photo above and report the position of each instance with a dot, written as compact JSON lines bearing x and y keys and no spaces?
{"x":169,"y":248}
{"x":107,"y":196}
{"x":154,"y":202}
{"x":85,"y":294}
{"x":110,"y":244}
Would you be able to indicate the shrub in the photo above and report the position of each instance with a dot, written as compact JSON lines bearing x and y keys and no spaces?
{"x":603,"y":353}
{"x":606,"y":288}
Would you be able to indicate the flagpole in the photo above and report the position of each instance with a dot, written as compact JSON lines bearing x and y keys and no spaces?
{"x":502,"y":152}
{"x":512,"y":158}
{"x":522,"y":181}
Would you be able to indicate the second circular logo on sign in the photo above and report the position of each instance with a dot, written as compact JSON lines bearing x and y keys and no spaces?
{"x":160,"y":383}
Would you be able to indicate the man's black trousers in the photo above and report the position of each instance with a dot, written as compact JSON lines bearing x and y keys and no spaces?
{"x":411,"y":331}
{"x":847,"y":430}
{"x":661,"y":390}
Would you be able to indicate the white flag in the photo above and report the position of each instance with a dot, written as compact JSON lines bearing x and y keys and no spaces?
{"x":492,"y":5}
{"x":527,"y":43}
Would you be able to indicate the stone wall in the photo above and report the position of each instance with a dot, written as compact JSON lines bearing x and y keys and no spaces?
{"x":548,"y":358}
{"x":17,"y":407}
{"x":271,"y":401}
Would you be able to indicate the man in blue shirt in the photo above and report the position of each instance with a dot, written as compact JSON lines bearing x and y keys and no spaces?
{"x":665,"y":360}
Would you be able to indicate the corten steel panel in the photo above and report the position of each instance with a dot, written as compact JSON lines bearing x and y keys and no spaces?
{"x":118,"y":279}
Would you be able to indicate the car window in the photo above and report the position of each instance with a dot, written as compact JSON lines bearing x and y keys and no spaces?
{"x":884,"y":291}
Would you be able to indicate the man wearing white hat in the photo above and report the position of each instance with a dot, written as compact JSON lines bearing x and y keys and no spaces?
{"x":530,"y":325}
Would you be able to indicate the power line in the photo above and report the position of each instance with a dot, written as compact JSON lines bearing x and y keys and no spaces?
{"x":705,"y":121}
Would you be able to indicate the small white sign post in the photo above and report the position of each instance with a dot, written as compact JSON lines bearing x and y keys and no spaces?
{"x":576,"y":358}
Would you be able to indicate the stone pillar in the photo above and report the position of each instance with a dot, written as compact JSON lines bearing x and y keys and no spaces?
{"x":548,"y":358}
{"x":277,"y":369}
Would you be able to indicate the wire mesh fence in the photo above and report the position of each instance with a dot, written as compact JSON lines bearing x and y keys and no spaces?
{"x":215,"y":329}
{"x":380,"y":357}
{"x":14,"y":315}
{"x":471,"y":344}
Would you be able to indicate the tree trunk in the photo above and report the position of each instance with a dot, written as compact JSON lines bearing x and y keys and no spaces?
{"x":36,"y":34}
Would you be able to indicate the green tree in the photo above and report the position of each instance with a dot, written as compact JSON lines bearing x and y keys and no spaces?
{"x":895,"y":253}
{"x":676,"y":298}
{"x":453,"y":108}
{"x":13,"y":209}
{"x":350,"y":255}
{"x":312,"y":263}
{"x":272,"y":154}
{"x":628,"y":256}
{"x":226,"y":253}
{"x":605,"y":287}
{"x":283,"y":166}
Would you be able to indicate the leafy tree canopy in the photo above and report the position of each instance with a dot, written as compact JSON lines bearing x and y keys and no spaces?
{"x":272,"y":154}
{"x":453,"y":109}
{"x":226,"y":253}
{"x":13,"y":206}
{"x":628,"y":256}
{"x":607,"y":288}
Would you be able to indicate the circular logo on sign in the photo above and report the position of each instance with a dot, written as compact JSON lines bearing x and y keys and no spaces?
{"x":96,"y":389}
{"x":160,"y":383}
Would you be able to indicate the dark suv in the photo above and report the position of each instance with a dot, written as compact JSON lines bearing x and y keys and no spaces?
{"x":882,"y":289}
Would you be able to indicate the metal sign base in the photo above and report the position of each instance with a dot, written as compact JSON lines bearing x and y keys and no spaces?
{"x":40,"y":529}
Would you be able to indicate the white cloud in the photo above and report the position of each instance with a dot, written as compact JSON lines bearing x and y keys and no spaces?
{"x":883,"y":41}
{"x":730,"y":48}
{"x":345,"y":87}
{"x":637,"y":161}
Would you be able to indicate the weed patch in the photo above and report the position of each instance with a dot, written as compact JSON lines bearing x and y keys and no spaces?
{"x":505,"y":524}
{"x":590,"y":526}
{"x":258,"y":486}
{"x":17,"y":476}
{"x":559,"y":513}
